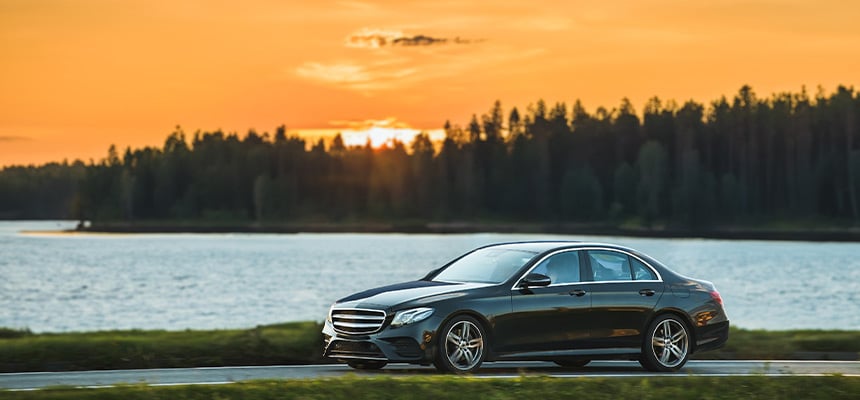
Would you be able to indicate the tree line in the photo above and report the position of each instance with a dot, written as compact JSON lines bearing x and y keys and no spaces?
{"x":787,"y":156}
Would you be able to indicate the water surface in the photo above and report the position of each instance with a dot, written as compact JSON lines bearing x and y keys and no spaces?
{"x":178,"y":281}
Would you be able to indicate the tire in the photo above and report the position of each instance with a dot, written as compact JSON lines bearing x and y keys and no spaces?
{"x":461,"y":346}
{"x":366,"y":365}
{"x":572,"y":363}
{"x":666,"y":347}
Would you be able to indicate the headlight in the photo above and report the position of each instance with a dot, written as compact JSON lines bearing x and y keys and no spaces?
{"x":407,"y":317}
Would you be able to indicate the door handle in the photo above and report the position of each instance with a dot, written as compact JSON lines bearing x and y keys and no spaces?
{"x":577,"y":292}
{"x":647,"y":292}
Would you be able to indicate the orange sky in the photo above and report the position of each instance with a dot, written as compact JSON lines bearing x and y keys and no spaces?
{"x":78,"y":75}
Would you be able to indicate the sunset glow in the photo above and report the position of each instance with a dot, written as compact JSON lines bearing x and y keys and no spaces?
{"x":382,"y":132}
{"x":78,"y":76}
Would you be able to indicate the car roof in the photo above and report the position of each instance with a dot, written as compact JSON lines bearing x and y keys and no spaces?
{"x":549,"y":245}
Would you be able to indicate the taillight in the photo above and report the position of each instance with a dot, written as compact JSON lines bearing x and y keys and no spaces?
{"x":716,"y":296}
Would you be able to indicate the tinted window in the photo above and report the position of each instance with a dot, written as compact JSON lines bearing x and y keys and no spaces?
{"x":609,"y":265}
{"x":560,"y":268}
{"x":489,"y":265}
{"x":640,"y":271}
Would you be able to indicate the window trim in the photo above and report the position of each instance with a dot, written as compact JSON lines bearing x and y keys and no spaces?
{"x":633,"y":271}
{"x":629,"y":254}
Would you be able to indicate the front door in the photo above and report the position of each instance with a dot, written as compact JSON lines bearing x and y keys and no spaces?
{"x":554,"y":317}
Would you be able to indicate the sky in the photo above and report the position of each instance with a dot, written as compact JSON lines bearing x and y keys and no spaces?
{"x":79,"y":75}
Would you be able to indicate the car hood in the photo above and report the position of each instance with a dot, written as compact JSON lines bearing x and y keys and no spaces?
{"x":386,"y":297}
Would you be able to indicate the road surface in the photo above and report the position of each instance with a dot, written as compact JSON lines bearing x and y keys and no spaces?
{"x":224,"y":375}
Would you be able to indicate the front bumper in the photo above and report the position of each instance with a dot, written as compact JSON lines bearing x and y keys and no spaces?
{"x":413,"y":343}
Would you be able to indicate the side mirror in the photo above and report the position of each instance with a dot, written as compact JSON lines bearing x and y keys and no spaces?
{"x":533,"y":280}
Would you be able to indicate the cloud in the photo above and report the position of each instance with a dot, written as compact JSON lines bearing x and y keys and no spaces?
{"x":399,"y":73}
{"x":334,"y":73}
{"x":361,"y":125}
{"x":380,"y":75}
{"x":378,"y":38}
{"x":11,"y":138}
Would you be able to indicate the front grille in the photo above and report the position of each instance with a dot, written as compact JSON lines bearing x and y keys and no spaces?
{"x":349,"y":349}
{"x":357,"y":321}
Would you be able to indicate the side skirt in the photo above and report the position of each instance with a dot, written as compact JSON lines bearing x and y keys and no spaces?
{"x":620,"y":352}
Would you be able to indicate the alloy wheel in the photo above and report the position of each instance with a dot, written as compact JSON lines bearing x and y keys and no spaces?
{"x":670,"y":343}
{"x":464,"y":345}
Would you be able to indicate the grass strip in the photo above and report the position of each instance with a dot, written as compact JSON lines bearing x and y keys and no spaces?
{"x":436,"y":387}
{"x":301,"y":343}
{"x":795,"y":344}
{"x":289,"y":343}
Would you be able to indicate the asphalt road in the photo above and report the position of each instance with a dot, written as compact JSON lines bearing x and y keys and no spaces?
{"x":224,"y":375}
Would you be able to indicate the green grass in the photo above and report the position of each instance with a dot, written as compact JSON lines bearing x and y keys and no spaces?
{"x":301,"y":343}
{"x":439,"y":387}
{"x":773,"y":345}
{"x":291,"y":343}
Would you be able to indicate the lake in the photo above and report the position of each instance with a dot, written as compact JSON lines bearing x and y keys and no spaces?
{"x":84,"y":282}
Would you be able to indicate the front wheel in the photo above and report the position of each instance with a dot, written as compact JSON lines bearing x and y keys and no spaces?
{"x":461,"y":346}
{"x":366,"y":364}
{"x":666,"y":347}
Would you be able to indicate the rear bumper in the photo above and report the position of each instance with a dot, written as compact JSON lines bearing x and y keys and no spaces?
{"x":712,"y":337}
{"x":411,"y":343}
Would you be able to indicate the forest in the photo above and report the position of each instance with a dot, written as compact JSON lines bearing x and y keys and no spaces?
{"x":790,"y":156}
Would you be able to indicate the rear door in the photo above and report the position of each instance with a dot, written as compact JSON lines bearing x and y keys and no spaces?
{"x":624,"y":291}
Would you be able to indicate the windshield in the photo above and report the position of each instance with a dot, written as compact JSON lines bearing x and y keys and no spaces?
{"x":488,"y":265}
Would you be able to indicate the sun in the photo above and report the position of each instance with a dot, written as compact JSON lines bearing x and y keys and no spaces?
{"x":380,"y":133}
{"x":378,"y":136}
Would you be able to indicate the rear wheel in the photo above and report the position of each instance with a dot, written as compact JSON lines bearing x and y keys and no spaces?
{"x":666,"y":347}
{"x":461,"y":346}
{"x":366,"y":364}
{"x":572,"y":363}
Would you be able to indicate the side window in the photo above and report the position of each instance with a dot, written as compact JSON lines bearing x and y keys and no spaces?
{"x":609,"y":265}
{"x":561,"y":268}
{"x":640,"y":271}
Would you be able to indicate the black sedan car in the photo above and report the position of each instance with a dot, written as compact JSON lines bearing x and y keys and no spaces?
{"x":567,"y":302}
